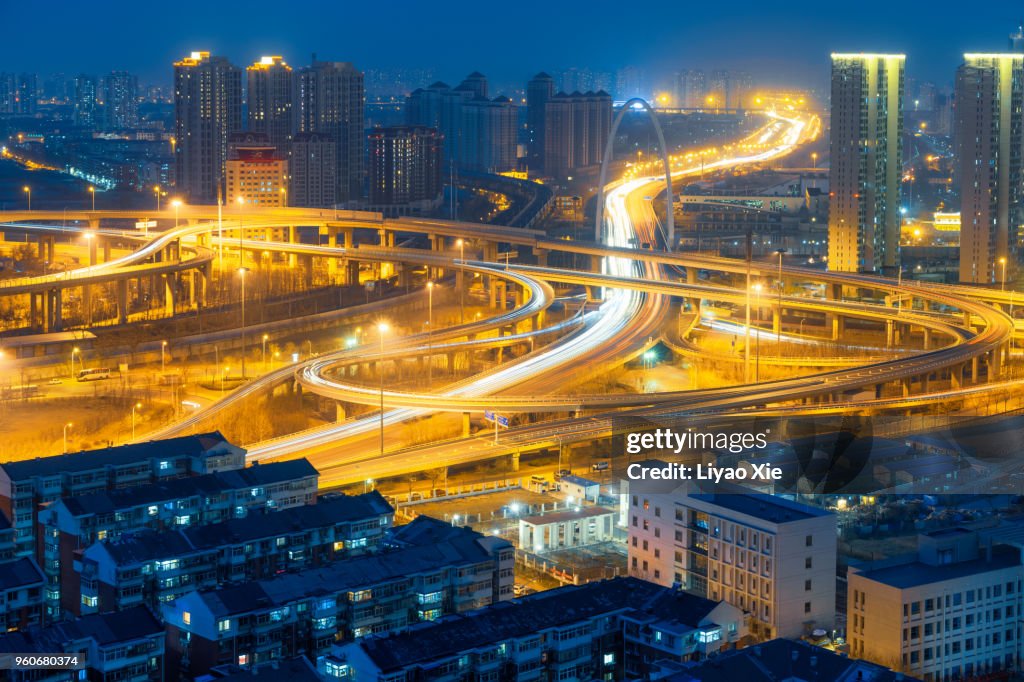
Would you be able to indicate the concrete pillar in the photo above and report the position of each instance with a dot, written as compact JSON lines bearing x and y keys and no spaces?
{"x":514,"y":463}
{"x":87,"y":304}
{"x":106,"y":250}
{"x":838,"y":327}
{"x":542,"y":257}
{"x":339,"y":412}
{"x":169,"y":295}
{"x":776,"y":320}
{"x":307,"y":267}
{"x":122,"y":301}
{"x":32,"y":310}
{"x":58,"y":309}
{"x":332,"y":263}
{"x":956,"y":374}
{"x":93,"y":247}
{"x":974,"y":369}
{"x":465,"y":424}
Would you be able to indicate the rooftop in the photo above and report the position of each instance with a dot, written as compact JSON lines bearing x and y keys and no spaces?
{"x":568,"y":515}
{"x":784,"y":659}
{"x":88,"y":460}
{"x":104,"y":628}
{"x":18,"y":573}
{"x":917,"y":573}
{"x":530,"y":615}
{"x":578,"y":480}
{"x":765,"y":507}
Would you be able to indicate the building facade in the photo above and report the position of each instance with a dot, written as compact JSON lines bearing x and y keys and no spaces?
{"x":990,"y":149}
{"x":773,"y":558}
{"x":121,"y":101}
{"x":539,"y":91}
{"x":865,"y":153}
{"x":576,"y":130}
{"x":690,"y":85}
{"x":207,"y":109}
{"x":270,"y":92}
{"x":953,"y":613}
{"x":85,"y":101}
{"x":432,"y":569}
{"x":256,"y":172}
{"x":330,"y":99}
{"x":314,"y":169}
{"x":609,"y":630}
{"x":405,"y":169}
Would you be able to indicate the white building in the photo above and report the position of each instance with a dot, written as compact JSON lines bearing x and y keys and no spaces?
{"x":954,"y":613}
{"x":773,"y":558}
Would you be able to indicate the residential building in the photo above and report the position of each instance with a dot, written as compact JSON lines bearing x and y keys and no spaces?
{"x":865,"y":163}
{"x":121,"y":101}
{"x":989,"y":153}
{"x":127,"y":646}
{"x":539,"y":92}
{"x":270,"y":85}
{"x":256,"y":172}
{"x":22,"y":595}
{"x":784,"y":659}
{"x":330,"y":100}
{"x":953,"y":612}
{"x":438,"y":106}
{"x":729,"y":89}
{"x":71,"y":524}
{"x":154,"y":567}
{"x":690,"y":85}
{"x":207,"y":108}
{"x":29,"y":485}
{"x":432,"y":569}
{"x":26,"y":101}
{"x":314,"y":169}
{"x":609,"y":630}
{"x":85,"y":101}
{"x":576,"y":130}
{"x":771,"y":557}
{"x":405,"y":169}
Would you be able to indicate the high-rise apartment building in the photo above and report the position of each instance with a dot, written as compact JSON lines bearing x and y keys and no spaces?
{"x":990,"y":146}
{"x":27,"y":98}
{"x":121,"y":101}
{"x":539,"y":92}
{"x":270,"y":82}
{"x":256,"y":173}
{"x":730,"y":89}
{"x":773,"y":558}
{"x":576,"y":131}
{"x":689,"y":89}
{"x":314,"y":169}
{"x":8,"y":93}
{"x":85,"y":101}
{"x":207,"y":108}
{"x":330,"y":100}
{"x":405,"y":168}
{"x":866,"y":153}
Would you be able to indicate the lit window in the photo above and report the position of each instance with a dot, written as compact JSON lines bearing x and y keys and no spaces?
{"x":186,"y":618}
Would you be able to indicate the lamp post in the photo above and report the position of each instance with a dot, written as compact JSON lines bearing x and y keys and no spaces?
{"x":462,"y":280}
{"x":92,"y":191}
{"x":265,"y":337}
{"x":136,"y":406}
{"x":382,"y":328}
{"x":163,"y":362}
{"x":66,"y":427}
{"x":75,"y":351}
{"x":176,"y":203}
{"x":757,"y":341}
{"x":284,"y":197}
{"x":241,"y":274}
{"x":156,"y":191}
{"x":28,"y":190}
{"x":1002,"y":280}
{"x":430,"y":334}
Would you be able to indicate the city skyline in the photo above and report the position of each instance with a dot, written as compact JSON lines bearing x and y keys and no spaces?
{"x":420,"y":36}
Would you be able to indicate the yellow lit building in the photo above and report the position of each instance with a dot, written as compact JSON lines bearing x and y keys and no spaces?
{"x":257,"y":175}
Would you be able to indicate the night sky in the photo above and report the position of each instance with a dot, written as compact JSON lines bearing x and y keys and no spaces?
{"x":508,"y":40}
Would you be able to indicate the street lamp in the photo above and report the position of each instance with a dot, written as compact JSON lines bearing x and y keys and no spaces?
{"x":757,"y":341}
{"x":430,"y":334}
{"x":176,"y":203}
{"x":136,"y":406}
{"x":462,"y":280}
{"x":92,"y":191}
{"x":284,"y":197}
{"x":223,"y":376}
{"x":241,"y":274}
{"x":163,"y":363}
{"x":73,"y":352}
{"x":265,"y":337}
{"x":156,"y":191}
{"x":1002,"y":281}
{"x":66,"y":427}
{"x":28,"y":190}
{"x":382,"y":329}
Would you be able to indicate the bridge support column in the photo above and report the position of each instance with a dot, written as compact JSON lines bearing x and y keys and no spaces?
{"x":974,"y":369}
{"x":339,"y":412}
{"x":332,"y":263}
{"x":905,"y":384}
{"x":352,"y":272}
{"x":122,"y":301}
{"x":93,"y":248}
{"x":58,"y":310}
{"x":925,"y":381}
{"x":106,"y":250}
{"x":542,"y":257}
{"x":87,"y":304}
{"x":838,"y":326}
{"x":169,"y":295}
{"x":888,"y":333}
{"x":691,"y":275}
{"x":514,"y":461}
{"x":776,"y":320}
{"x":307,"y":269}
{"x":465,"y":424}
